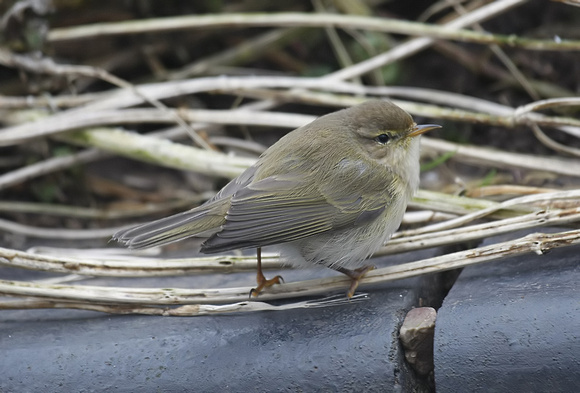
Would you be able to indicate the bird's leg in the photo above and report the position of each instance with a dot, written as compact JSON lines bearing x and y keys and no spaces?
{"x":355,"y":276}
{"x":261,"y":279}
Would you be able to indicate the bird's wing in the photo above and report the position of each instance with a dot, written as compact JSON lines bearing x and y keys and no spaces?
{"x":293,"y":206}
{"x":203,"y":220}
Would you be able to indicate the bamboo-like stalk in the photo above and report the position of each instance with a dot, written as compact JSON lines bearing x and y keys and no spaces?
{"x":95,"y":114}
{"x":537,"y":243}
{"x":54,"y":125}
{"x":218,"y":164}
{"x":47,"y":65}
{"x":59,"y":163}
{"x":163,"y":152}
{"x":479,"y":231}
{"x":109,"y":266}
{"x":559,"y":208}
{"x":433,"y":236}
{"x":289,"y":19}
{"x":520,"y":203}
{"x":475,"y":208}
{"x":189,"y":310}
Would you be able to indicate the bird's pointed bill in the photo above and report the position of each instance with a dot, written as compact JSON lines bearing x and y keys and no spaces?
{"x":423,"y":128}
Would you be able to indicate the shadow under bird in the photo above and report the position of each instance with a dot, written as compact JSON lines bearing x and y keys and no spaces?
{"x":328,"y":193}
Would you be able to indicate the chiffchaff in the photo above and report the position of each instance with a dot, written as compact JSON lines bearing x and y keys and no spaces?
{"x":328,"y":193}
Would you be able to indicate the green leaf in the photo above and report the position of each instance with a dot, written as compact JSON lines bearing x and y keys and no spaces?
{"x":437,"y":161}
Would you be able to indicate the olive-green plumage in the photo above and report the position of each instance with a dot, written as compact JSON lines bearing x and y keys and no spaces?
{"x":330,"y":192}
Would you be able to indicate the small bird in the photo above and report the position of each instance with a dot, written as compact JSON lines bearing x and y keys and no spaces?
{"x":328,"y":193}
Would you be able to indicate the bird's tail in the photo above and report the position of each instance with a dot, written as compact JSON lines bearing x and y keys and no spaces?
{"x":200,"y":221}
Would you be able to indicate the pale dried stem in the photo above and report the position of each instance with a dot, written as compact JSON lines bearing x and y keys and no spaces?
{"x":451,"y":31}
{"x":190,"y":310}
{"x":424,"y":200}
{"x":49,"y":209}
{"x":48,"y":66}
{"x":426,"y":237}
{"x":95,"y":114}
{"x":538,"y":243}
{"x":104,"y":110}
{"x":184,"y":157}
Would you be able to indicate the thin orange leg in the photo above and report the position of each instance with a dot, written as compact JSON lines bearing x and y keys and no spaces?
{"x":355,"y":276}
{"x":261,"y":279}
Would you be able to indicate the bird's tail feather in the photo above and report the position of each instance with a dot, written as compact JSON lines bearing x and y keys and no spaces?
{"x":199,"y":221}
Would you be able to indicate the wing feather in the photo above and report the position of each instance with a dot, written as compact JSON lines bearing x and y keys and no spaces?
{"x":280,"y":209}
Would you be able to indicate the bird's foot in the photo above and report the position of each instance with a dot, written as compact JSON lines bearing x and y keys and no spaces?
{"x":355,"y":276}
{"x":261,"y":279}
{"x":264,"y":283}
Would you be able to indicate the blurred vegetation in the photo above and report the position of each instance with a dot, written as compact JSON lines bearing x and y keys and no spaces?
{"x":108,"y":182}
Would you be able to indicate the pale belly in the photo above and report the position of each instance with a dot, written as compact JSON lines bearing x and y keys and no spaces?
{"x":348,"y":248}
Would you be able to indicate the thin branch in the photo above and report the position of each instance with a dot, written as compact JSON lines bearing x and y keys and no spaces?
{"x":244,"y":52}
{"x":548,"y":198}
{"x":93,"y":114}
{"x":505,"y":160}
{"x":552,"y":144}
{"x":538,"y":243}
{"x":546,"y":104}
{"x":418,"y":44}
{"x":432,"y":236}
{"x":407,"y":242}
{"x":191,"y":310}
{"x":50,"y":165}
{"x":55,"y":124}
{"x":306,"y":20}
{"x":53,"y":233}
{"x":111,"y":266}
{"x":54,"y":164}
{"x":506,"y":189}
{"x":50,"y":209}
{"x":48,"y":66}
{"x":504,"y":58}
{"x":48,"y":101}
{"x":163,"y":152}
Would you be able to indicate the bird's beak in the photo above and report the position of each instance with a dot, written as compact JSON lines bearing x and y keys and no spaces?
{"x":421,"y":129}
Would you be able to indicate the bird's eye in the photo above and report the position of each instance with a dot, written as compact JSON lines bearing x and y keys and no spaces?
{"x":383,"y":138}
